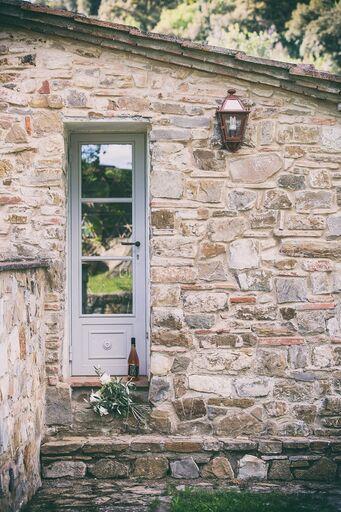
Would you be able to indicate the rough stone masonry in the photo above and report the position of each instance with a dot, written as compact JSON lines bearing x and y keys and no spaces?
{"x":244,"y":248}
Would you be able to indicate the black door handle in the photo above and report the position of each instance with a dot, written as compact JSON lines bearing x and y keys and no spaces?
{"x":137,"y":244}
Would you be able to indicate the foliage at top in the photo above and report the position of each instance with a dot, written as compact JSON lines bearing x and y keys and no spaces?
{"x":289,"y":30}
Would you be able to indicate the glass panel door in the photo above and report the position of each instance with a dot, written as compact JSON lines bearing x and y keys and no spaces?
{"x":108,"y":251}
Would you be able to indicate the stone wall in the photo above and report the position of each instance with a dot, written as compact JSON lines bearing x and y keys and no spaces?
{"x":244,"y":248}
{"x":22,"y":384}
{"x":192,"y":459}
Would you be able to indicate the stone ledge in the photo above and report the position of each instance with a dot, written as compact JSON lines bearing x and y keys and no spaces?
{"x":24,"y":264}
{"x":182,"y":444}
{"x":159,"y":457}
{"x":94,"y":382}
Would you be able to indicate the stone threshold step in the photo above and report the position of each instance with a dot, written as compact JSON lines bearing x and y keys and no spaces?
{"x":93,"y":382}
{"x":181,"y":444}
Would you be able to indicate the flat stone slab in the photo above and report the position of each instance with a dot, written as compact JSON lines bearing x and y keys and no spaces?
{"x":185,"y":444}
{"x":121,"y":496}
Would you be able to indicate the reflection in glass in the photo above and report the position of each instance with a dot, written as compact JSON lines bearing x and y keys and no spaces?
{"x":104,"y":227}
{"x":107,"y":287}
{"x":106,"y":170}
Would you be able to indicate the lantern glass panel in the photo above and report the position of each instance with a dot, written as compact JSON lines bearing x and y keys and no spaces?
{"x":232,"y":105}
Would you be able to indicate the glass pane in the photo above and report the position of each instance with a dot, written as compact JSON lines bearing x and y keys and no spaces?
{"x":107,"y":287}
{"x":106,"y":170}
{"x":104,"y":227}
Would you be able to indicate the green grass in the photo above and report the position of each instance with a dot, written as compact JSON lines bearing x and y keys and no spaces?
{"x":100,"y":284}
{"x":231,"y":501}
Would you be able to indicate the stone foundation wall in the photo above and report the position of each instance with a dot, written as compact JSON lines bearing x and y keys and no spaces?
{"x":22,"y":384}
{"x":244,"y":248}
{"x":191,"y":459}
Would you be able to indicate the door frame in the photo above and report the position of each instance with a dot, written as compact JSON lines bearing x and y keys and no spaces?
{"x":105,"y":129}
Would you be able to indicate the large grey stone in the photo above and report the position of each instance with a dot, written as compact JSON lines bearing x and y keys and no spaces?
{"x":291,"y":289}
{"x":185,"y":468}
{"x":252,"y":387}
{"x":241,"y":199}
{"x":311,"y":322}
{"x":255,"y":280}
{"x":256,"y":168}
{"x":58,"y":405}
{"x":109,"y":468}
{"x":218,"y":384}
{"x":334,"y":226}
{"x":252,"y":468}
{"x":291,"y":181}
{"x":65,"y":469}
{"x":204,"y":321}
{"x":205,"y":301}
{"x":159,"y":390}
{"x":308,"y":200}
{"x":167,"y":184}
{"x":76,"y":99}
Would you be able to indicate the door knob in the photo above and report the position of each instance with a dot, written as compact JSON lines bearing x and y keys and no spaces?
{"x":137,"y":244}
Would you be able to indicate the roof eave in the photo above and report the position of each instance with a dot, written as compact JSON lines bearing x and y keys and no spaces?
{"x":301,"y":79}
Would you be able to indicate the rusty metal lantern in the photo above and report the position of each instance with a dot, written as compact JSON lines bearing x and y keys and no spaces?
{"x":232,"y":116}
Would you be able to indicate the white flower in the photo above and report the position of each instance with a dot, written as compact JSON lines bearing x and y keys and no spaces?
{"x":102,"y":410}
{"x":94,"y":397}
{"x":105,"y":379}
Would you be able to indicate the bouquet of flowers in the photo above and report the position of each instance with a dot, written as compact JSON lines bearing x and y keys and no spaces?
{"x":114,"y":397}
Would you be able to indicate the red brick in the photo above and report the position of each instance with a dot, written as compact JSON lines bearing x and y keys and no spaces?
{"x":45,"y":88}
{"x":315,"y":306}
{"x":243,"y":300}
{"x":284,"y":340}
{"x":28,"y":125}
{"x":10,"y":200}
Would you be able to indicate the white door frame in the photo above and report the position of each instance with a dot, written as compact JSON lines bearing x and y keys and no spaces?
{"x":138,"y":140}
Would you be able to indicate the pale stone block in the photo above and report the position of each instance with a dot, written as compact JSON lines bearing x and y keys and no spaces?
{"x":160,"y":364}
{"x":334,"y":226}
{"x":184,"y":469}
{"x":204,"y":301}
{"x":331,"y":137}
{"x":218,"y":384}
{"x":252,"y":468}
{"x":255,"y":169}
{"x":166,"y":184}
{"x":226,"y":229}
{"x":252,"y":387}
{"x":243,"y":254}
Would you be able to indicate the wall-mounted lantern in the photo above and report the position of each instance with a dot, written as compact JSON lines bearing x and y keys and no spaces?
{"x":232,"y":116}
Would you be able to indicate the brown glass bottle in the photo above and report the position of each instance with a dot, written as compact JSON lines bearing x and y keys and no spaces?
{"x":133,"y":361}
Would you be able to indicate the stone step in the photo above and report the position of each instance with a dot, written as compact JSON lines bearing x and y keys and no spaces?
{"x":91,"y":495}
{"x":193,"y":458}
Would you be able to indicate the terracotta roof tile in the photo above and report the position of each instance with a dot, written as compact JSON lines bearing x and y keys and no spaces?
{"x":300,"y":78}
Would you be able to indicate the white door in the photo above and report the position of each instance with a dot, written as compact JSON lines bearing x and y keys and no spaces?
{"x":108,"y":252}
